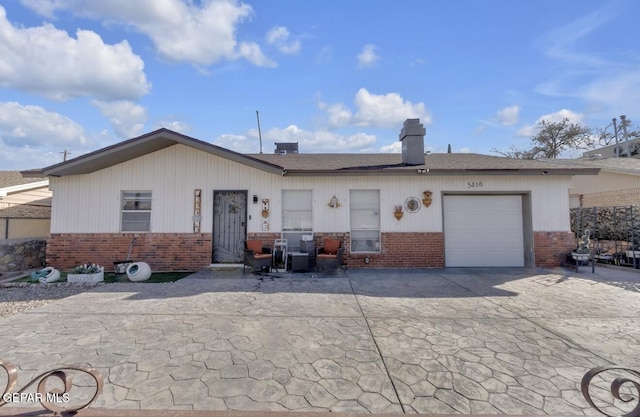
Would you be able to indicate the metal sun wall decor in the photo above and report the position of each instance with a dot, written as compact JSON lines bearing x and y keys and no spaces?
{"x":412,"y":204}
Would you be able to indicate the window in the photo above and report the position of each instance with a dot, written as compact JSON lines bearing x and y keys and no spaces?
{"x":297,"y":217}
{"x":365,"y":220}
{"x":136,"y":211}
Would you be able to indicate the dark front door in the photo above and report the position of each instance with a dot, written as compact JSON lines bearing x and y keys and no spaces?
{"x":229,"y":226}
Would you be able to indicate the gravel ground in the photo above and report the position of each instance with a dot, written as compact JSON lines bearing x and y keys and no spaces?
{"x":19,"y":297}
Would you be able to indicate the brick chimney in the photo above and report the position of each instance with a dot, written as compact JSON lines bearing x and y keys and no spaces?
{"x":412,"y":138}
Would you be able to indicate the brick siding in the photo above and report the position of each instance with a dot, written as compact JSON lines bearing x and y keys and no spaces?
{"x":399,"y":250}
{"x":551,"y":247}
{"x":612,"y":198}
{"x":192,"y":251}
{"x":162,"y":251}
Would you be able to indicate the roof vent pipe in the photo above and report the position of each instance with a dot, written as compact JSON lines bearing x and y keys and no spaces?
{"x":412,"y":138}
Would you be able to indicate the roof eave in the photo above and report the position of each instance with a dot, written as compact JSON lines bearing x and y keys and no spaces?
{"x":426,"y":171}
{"x":23,"y":187}
{"x":140,"y":146}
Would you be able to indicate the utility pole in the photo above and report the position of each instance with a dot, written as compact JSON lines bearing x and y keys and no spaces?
{"x":65,"y":155}
{"x":623,"y":122}
{"x":259,"y":132}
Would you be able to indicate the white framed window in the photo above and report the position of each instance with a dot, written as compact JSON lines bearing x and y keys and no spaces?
{"x":136,"y":211}
{"x":297,"y":217}
{"x":364,"y":210}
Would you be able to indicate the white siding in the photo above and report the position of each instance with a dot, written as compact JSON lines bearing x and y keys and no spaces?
{"x":91,"y":203}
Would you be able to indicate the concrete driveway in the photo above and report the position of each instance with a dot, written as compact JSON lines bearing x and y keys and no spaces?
{"x":508,"y":341}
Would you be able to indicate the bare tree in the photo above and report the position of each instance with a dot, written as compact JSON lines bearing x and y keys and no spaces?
{"x":515,"y":153}
{"x":551,"y":139}
{"x":554,"y":137}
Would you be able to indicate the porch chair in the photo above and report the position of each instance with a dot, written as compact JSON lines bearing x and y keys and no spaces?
{"x":256,"y":256}
{"x":330,"y":255}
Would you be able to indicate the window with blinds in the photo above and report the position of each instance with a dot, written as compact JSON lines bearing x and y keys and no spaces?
{"x":364,"y":210}
{"x":136,"y":211}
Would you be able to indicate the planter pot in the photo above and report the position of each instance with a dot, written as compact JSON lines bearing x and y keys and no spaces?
{"x":139,"y":271}
{"x":92,"y":278}
{"x":397,"y":215}
{"x":426,"y":201}
{"x":580,"y":256}
{"x":633,"y":254}
{"x":46,"y":275}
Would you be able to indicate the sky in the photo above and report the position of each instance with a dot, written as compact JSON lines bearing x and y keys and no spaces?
{"x":334,"y":76}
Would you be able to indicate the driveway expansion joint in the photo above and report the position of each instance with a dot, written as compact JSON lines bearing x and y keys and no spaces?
{"x":474,"y":341}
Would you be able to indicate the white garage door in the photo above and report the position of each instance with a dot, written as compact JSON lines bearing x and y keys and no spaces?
{"x":483,"y":230}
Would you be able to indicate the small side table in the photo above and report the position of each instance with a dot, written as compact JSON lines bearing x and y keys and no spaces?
{"x":310,"y":248}
{"x":299,"y":262}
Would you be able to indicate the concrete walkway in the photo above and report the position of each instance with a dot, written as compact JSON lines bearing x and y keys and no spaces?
{"x":508,"y":341}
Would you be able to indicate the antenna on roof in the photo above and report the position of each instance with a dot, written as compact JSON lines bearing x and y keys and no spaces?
{"x":259,"y":132}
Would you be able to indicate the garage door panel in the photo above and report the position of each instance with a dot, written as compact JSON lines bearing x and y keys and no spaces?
{"x":483,"y":230}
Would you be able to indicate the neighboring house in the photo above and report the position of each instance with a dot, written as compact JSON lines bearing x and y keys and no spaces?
{"x":629,"y":149}
{"x":189,"y":203}
{"x":25,"y":206}
{"x":617,"y":184}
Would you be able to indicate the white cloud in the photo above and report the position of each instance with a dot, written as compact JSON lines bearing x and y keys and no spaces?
{"x":278,"y":36}
{"x":322,"y":140}
{"x":308,"y":141}
{"x":239,"y":143}
{"x":509,"y":115}
{"x":368,"y":56}
{"x":32,"y":137}
{"x":47,"y":61}
{"x":44,"y":8}
{"x":373,"y":110}
{"x":202,"y":33}
{"x":324,"y":55}
{"x":530,"y":130}
{"x":252,"y":53}
{"x":175,"y":125}
{"x":395,"y":147}
{"x":34,"y":126}
{"x":126,"y":117}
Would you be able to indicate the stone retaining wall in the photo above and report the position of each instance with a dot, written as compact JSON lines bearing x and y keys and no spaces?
{"x":21,"y":254}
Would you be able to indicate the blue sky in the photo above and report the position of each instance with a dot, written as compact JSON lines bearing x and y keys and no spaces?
{"x":335,"y":76}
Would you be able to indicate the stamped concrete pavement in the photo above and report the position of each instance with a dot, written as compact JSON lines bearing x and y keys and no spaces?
{"x":481,"y":341}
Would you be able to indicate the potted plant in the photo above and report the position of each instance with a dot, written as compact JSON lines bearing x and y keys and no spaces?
{"x":86,"y":273}
{"x":582,"y":252}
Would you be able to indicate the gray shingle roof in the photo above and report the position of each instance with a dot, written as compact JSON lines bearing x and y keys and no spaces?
{"x":622,"y":165}
{"x":11,"y":178}
{"x":444,"y":163}
{"x":308,"y":164}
